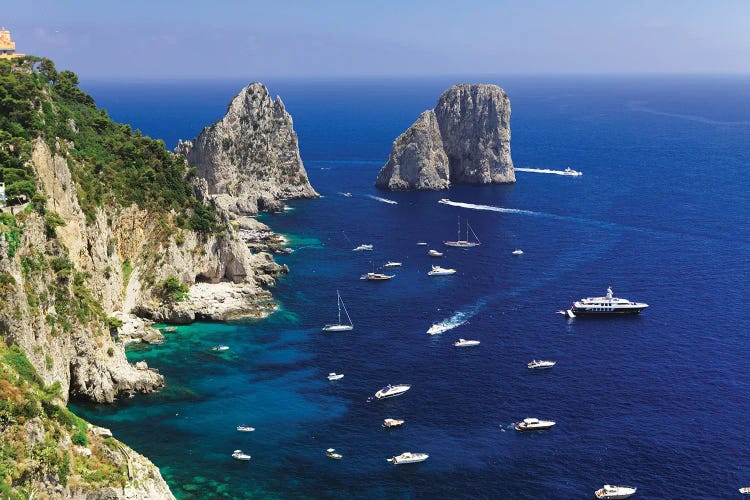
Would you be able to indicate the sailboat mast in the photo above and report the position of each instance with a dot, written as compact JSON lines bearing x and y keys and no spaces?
{"x":338,"y":303}
{"x":458,"y":229}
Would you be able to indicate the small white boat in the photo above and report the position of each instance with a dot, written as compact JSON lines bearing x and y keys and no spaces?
{"x":745,"y":490}
{"x":340,"y":327}
{"x":444,"y":201}
{"x":540,"y":364}
{"x":435,"y":253}
{"x":422,"y":243}
{"x":392,"y":264}
{"x":408,"y":457}
{"x":517,"y":251}
{"x":534,"y":424}
{"x":465,"y":343}
{"x":392,"y":422}
{"x":220,"y":347}
{"x":391,"y":391}
{"x":335,"y":376}
{"x":615,"y":492}
{"x":239,"y":455}
{"x":348,"y":195}
{"x":331,"y":453}
{"x":376,"y":277}
{"x":245,"y":428}
{"x":440,"y":271}
{"x":361,"y":248}
{"x":571,"y":172}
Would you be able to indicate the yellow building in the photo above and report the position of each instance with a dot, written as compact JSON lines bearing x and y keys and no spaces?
{"x":7,"y":45}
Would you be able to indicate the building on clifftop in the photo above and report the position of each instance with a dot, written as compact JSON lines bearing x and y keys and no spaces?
{"x":7,"y":45}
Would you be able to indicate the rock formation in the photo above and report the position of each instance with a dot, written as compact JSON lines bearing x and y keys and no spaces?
{"x":464,"y":140}
{"x":250,"y":158}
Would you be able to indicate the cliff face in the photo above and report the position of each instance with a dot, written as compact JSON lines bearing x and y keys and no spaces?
{"x":250,"y":158}
{"x":469,"y":130}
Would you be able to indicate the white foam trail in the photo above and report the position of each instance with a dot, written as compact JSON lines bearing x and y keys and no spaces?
{"x":502,"y":210}
{"x":544,"y":171}
{"x":384,"y":200}
{"x":456,"y":320}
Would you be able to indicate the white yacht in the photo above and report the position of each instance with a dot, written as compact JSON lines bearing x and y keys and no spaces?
{"x":434,"y":253}
{"x":340,"y":327}
{"x":362,"y":247}
{"x":517,"y":251}
{"x":391,"y":391}
{"x":239,"y":455}
{"x":376,"y":277}
{"x":348,"y":195}
{"x":440,"y":271}
{"x":606,"y":305}
{"x":392,"y":264}
{"x":465,"y":343}
{"x":331,"y":453}
{"x":745,"y":490}
{"x":615,"y":492}
{"x":422,"y":243}
{"x":534,"y":424}
{"x":408,"y":457}
{"x":220,"y":347}
{"x":335,"y":376}
{"x":392,"y":422}
{"x":541,"y":365}
{"x":245,"y":428}
{"x":571,"y":172}
{"x":464,"y":243}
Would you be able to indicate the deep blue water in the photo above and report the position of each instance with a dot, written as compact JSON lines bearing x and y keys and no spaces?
{"x":658,"y":401}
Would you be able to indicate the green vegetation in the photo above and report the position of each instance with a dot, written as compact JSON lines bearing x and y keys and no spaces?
{"x":172,"y":289}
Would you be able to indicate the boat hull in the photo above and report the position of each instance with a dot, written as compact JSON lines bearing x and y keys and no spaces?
{"x":337,"y":328}
{"x":615,"y":312}
{"x":460,"y":244}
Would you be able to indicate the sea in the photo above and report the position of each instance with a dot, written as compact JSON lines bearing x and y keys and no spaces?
{"x":659,"y":401}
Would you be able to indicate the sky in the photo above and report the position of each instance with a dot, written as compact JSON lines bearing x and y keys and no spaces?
{"x":167,"y":39}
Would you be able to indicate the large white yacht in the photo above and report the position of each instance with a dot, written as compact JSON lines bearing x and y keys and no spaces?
{"x":391,"y":391}
{"x":408,"y":457}
{"x":615,"y":492}
{"x":606,"y":305}
{"x":534,"y":424}
{"x":440,"y":271}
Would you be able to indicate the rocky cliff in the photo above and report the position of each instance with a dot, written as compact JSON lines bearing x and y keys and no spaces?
{"x":250,"y":158}
{"x":464,"y":140}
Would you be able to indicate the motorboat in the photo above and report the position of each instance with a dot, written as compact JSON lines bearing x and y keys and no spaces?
{"x":615,"y":492}
{"x":534,"y":424}
{"x":436,"y":328}
{"x":408,"y":457}
{"x":571,"y":172}
{"x":239,"y":455}
{"x":434,"y":253}
{"x":440,"y":271}
{"x":245,"y":428}
{"x":392,"y":422}
{"x":391,"y":391}
{"x":459,"y":243}
{"x":376,"y":277}
{"x":540,"y":364}
{"x":596,"y":306}
{"x":422,"y":243}
{"x":340,"y":327}
{"x":745,"y":490}
{"x":392,"y":264}
{"x":335,"y":376}
{"x":517,"y":251}
{"x":348,"y":195}
{"x":331,"y":453}
{"x":465,"y":343}
{"x":362,"y":247}
{"x":444,"y":201}
{"x":220,"y":347}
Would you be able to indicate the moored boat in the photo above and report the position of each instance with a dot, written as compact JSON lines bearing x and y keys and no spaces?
{"x":434,"y":253}
{"x":541,"y":364}
{"x":392,"y":264}
{"x":612,"y":492}
{"x":331,"y":453}
{"x":597,"y":306}
{"x":408,"y":457}
{"x":745,"y":490}
{"x":376,"y":277}
{"x":339,"y":327}
{"x":459,"y":243}
{"x":440,"y":271}
{"x":392,"y":422}
{"x":534,"y":424}
{"x":239,"y":455}
{"x":517,"y":251}
{"x":391,"y":391}
{"x":362,"y":247}
{"x":245,"y":428}
{"x":220,"y":347}
{"x":465,"y":343}
{"x":335,"y":376}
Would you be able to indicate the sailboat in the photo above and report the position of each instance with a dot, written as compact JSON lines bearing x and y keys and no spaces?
{"x":338,"y":327}
{"x":463,"y":243}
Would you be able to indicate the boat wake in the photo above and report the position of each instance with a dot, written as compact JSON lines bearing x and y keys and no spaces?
{"x":455,"y":321}
{"x":384,"y":200}
{"x":501,"y":210}
{"x":544,"y":171}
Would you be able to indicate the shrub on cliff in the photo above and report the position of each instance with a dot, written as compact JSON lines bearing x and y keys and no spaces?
{"x":172,"y":289}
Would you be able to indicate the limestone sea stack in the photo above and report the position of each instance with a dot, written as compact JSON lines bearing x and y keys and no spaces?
{"x":250,"y":158}
{"x":464,"y":140}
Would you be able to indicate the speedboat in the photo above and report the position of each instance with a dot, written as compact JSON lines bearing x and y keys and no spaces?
{"x":435,"y":253}
{"x":465,"y":343}
{"x":335,"y":376}
{"x":392,"y":422}
{"x":245,"y":428}
{"x":444,"y":201}
{"x":408,"y":457}
{"x":615,"y":492}
{"x":340,"y":327}
{"x":220,"y":347}
{"x":362,"y":247}
{"x":540,"y":365}
{"x":239,"y":455}
{"x":571,"y":172}
{"x":422,"y":243}
{"x":376,"y":277}
{"x":331,"y":453}
{"x":348,"y":195}
{"x":439,"y":271}
{"x":534,"y":424}
{"x":391,"y":391}
{"x":595,"y":306}
{"x":517,"y":251}
{"x":745,"y":490}
{"x":392,"y":264}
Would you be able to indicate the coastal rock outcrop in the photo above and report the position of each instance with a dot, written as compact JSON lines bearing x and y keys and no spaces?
{"x":250,"y":158}
{"x":464,"y":140}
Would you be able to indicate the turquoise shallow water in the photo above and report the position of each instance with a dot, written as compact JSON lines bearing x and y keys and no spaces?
{"x":660,"y":214}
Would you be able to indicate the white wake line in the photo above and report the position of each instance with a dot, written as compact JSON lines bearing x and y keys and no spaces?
{"x":456,"y":320}
{"x":543,"y":171}
{"x":384,"y":200}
